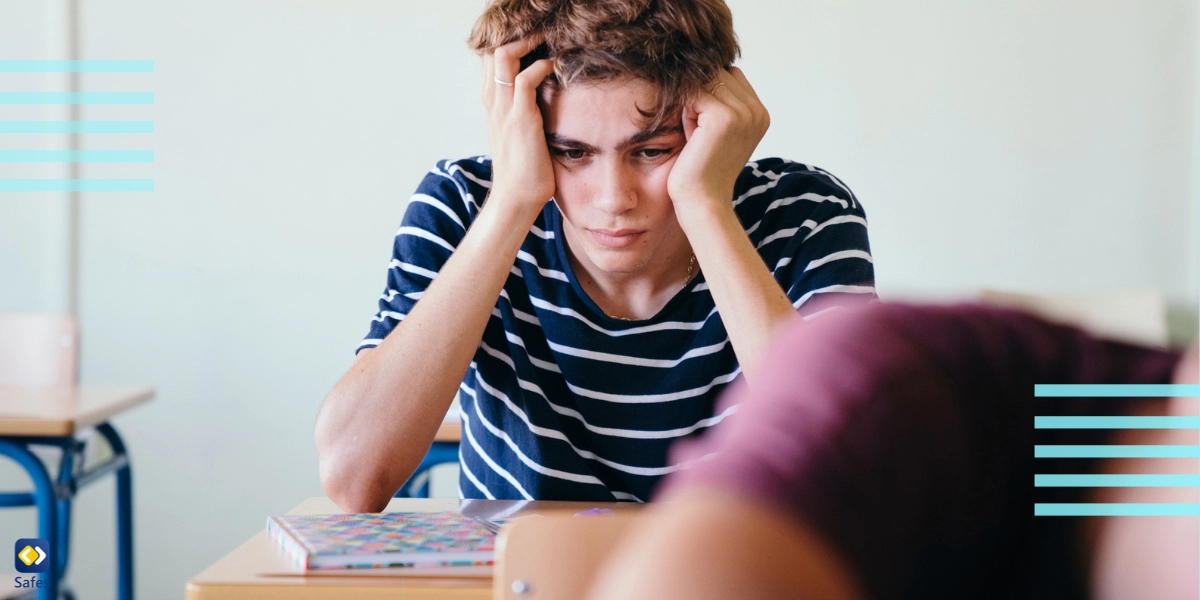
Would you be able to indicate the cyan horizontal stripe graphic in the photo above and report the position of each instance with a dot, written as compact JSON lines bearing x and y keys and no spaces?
{"x":76,"y":156}
{"x":1115,"y":390}
{"x":76,"y":66}
{"x":76,"y":97}
{"x":1116,"y":510}
{"x":76,"y":126}
{"x":1116,"y":422}
{"x":1116,"y":451}
{"x":76,"y":185}
{"x":1116,"y":480}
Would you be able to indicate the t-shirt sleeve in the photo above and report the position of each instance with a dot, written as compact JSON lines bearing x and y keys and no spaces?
{"x":434,"y":223}
{"x":813,"y":237}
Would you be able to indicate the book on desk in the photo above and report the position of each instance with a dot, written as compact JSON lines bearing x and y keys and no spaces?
{"x":367,"y":540}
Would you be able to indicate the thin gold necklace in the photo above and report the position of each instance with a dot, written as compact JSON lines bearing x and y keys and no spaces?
{"x":686,"y":280}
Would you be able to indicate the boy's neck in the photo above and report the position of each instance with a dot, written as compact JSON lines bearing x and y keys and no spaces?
{"x":635,"y":296}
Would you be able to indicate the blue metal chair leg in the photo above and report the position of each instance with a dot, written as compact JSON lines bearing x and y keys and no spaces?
{"x":71,"y":451}
{"x":124,"y":514}
{"x":46,"y":499}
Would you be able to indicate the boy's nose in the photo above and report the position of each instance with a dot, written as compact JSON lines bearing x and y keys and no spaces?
{"x":616,"y":192}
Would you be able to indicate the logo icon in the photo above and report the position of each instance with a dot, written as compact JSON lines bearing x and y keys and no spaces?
{"x":32,"y":555}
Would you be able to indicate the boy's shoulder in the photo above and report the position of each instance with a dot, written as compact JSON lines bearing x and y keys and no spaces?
{"x":460,"y":185}
{"x":471,"y":170}
{"x":775,"y":195}
{"x":779,"y":177}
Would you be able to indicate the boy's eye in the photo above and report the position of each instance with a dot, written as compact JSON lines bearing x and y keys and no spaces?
{"x":654,"y":152}
{"x":570,"y":153}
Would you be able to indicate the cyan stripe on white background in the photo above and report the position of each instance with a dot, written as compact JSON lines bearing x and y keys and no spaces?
{"x":1116,"y":390}
{"x":1116,"y":451}
{"x":1116,"y":510}
{"x":1116,"y":422}
{"x":1135,"y":480}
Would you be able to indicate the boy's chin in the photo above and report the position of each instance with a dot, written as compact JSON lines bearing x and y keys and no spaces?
{"x":617,"y":263}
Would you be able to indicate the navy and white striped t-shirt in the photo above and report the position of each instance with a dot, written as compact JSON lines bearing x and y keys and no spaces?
{"x":562,"y":402}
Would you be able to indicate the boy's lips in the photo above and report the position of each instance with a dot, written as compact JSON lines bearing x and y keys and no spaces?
{"x":616,"y":238}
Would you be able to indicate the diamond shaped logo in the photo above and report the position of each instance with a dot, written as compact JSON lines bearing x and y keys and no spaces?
{"x":32,"y":555}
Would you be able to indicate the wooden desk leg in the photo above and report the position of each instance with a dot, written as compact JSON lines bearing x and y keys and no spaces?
{"x":46,"y":500}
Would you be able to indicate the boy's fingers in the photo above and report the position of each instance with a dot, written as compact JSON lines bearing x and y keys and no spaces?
{"x":508,"y":57}
{"x":689,"y":120}
{"x":740,"y":76}
{"x":729,"y":91}
{"x":529,"y":79}
{"x":488,"y":71}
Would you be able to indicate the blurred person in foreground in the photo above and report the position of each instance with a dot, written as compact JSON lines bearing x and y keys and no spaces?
{"x":887,"y":452}
{"x":591,"y":286}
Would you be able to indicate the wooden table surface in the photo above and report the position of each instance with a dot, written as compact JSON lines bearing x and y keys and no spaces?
{"x":36,"y":411}
{"x":63,"y":410}
{"x":255,"y":570}
{"x":449,"y":431}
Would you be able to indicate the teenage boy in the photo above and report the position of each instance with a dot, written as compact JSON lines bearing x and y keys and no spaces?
{"x":590,"y":287}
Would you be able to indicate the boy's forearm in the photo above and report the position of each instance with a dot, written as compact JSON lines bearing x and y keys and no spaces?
{"x":380,"y":418}
{"x":752,"y":305}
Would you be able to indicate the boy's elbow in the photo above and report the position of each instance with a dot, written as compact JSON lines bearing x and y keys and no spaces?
{"x":347,"y":479}
{"x":347,"y":486}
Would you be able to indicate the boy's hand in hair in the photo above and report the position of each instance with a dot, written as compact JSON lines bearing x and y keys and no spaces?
{"x":723,"y":125}
{"x":522,"y":174}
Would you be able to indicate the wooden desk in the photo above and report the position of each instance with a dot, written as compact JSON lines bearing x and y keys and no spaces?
{"x":52,"y":415}
{"x":63,"y":410}
{"x":449,"y":431}
{"x":255,"y":570}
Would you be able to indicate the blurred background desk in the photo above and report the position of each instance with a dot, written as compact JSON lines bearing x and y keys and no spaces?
{"x":63,"y":410}
{"x":52,"y":416}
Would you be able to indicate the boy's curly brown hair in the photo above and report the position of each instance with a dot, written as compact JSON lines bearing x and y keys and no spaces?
{"x":678,"y":46}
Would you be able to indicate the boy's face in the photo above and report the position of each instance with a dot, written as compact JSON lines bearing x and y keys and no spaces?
{"x":611,"y":174}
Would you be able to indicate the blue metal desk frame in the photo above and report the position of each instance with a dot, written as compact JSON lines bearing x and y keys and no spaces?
{"x":417,"y":485}
{"x":53,"y":500}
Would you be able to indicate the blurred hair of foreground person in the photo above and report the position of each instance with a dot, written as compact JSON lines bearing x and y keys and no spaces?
{"x":888,"y":453}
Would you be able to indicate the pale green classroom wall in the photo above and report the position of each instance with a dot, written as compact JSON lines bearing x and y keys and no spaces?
{"x":1026,"y":145}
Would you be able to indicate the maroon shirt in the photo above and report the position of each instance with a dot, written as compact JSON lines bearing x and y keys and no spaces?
{"x":904,"y":436}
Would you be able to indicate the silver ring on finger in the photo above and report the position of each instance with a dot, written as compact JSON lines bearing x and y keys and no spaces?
{"x":503,"y":83}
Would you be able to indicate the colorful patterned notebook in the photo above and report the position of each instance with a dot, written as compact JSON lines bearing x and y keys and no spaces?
{"x":382,"y":540}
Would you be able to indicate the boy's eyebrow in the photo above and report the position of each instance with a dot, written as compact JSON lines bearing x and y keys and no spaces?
{"x":644,"y":135}
{"x":648,"y":134}
{"x":553,"y":139}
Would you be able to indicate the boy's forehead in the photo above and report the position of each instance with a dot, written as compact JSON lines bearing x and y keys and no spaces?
{"x":611,"y":109}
